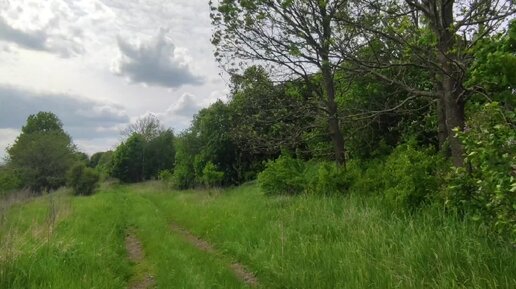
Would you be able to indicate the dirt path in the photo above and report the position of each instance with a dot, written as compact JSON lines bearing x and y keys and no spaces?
{"x":238,"y":269}
{"x":136,"y":255}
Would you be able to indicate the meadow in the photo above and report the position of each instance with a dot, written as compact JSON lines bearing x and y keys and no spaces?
{"x":60,"y":241}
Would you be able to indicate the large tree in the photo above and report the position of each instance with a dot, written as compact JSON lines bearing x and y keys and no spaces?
{"x":42,"y":153}
{"x":433,"y":37}
{"x":301,"y":39}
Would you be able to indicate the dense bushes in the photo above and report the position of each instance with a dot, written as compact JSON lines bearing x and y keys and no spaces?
{"x":211,"y":176}
{"x":285,"y":175}
{"x":486,"y":188}
{"x":411,"y":176}
{"x":406,"y":178}
{"x":9,"y":181}
{"x":82,"y":180}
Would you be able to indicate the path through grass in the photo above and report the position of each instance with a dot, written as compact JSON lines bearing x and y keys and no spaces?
{"x":287,"y":242}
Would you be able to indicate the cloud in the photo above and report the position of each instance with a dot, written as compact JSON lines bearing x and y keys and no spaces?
{"x":35,"y":40}
{"x":155,"y":62}
{"x":60,"y":27}
{"x":187,"y":106}
{"x":7,"y":138}
{"x":82,"y":118}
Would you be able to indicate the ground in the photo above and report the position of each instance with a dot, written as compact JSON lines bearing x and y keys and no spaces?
{"x":147,"y":236}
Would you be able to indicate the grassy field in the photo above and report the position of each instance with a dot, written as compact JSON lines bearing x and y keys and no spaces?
{"x":59,"y":241}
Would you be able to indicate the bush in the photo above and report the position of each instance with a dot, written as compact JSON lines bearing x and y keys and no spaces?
{"x":165,"y":175}
{"x":285,"y":175}
{"x":183,"y":177}
{"x":327,"y":178}
{"x":9,"y":181}
{"x":411,"y":176}
{"x":83,"y":180}
{"x":211,"y":176}
{"x":486,"y":188}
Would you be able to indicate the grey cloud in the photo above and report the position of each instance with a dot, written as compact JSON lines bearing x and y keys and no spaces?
{"x":187,"y":106}
{"x":156,"y":62}
{"x":82,"y":118}
{"x":35,"y":40}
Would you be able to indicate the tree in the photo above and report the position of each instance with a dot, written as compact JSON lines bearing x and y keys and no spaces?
{"x":268,"y":118}
{"x":434,"y":37}
{"x":149,"y":127}
{"x":42,"y":153}
{"x":95,"y":159}
{"x":301,"y":37}
{"x":159,"y":154}
{"x":128,"y":158}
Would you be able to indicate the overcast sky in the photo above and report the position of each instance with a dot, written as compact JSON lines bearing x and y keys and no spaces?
{"x":100,"y":64}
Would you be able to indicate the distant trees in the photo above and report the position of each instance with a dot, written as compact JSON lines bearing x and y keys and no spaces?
{"x":148,"y":150}
{"x":149,"y":127}
{"x":42,"y":153}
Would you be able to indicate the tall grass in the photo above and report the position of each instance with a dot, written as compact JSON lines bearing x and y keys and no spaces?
{"x":343,"y":242}
{"x":311,"y":242}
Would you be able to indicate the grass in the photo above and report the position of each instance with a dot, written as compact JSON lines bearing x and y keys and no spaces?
{"x":289,"y":242}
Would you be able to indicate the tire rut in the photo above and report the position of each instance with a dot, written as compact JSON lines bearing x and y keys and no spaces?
{"x":137,"y":255}
{"x":240,"y":271}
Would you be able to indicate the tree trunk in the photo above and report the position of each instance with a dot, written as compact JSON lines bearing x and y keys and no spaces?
{"x":454,"y":110}
{"x":333,"y":118}
{"x":442,"y":133}
{"x":441,"y":19}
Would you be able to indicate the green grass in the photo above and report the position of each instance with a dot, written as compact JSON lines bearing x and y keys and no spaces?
{"x":342,"y":242}
{"x":289,"y":242}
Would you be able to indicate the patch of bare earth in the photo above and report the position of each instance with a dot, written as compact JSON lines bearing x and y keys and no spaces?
{"x":240,"y":271}
{"x":137,"y":255}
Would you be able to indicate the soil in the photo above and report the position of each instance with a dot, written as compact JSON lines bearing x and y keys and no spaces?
{"x":136,"y":255}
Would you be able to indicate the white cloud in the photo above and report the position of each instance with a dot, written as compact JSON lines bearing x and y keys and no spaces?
{"x":7,"y":138}
{"x":155,"y":62}
{"x":56,"y":26}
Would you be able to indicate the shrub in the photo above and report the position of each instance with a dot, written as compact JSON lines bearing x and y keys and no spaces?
{"x":211,"y":176}
{"x":83,"y":180}
{"x":486,"y":188}
{"x":327,"y":178}
{"x":183,"y":177}
{"x":165,"y":175}
{"x":368,"y":177}
{"x":9,"y":181}
{"x":411,"y":176}
{"x":285,"y":175}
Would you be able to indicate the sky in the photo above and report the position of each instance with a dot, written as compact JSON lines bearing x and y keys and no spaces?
{"x":102,"y":64}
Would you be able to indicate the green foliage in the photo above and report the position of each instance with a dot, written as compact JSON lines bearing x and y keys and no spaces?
{"x":285,"y":175}
{"x":9,"y":180}
{"x":83,"y":180}
{"x":494,"y":68}
{"x":187,"y":146}
{"x":411,"y":176}
{"x":42,"y":122}
{"x":486,"y":189}
{"x":95,"y":159}
{"x":160,"y":154}
{"x":211,"y":176}
{"x":43,"y":153}
{"x":128,"y":158}
{"x":326,"y":178}
{"x":165,"y":175}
